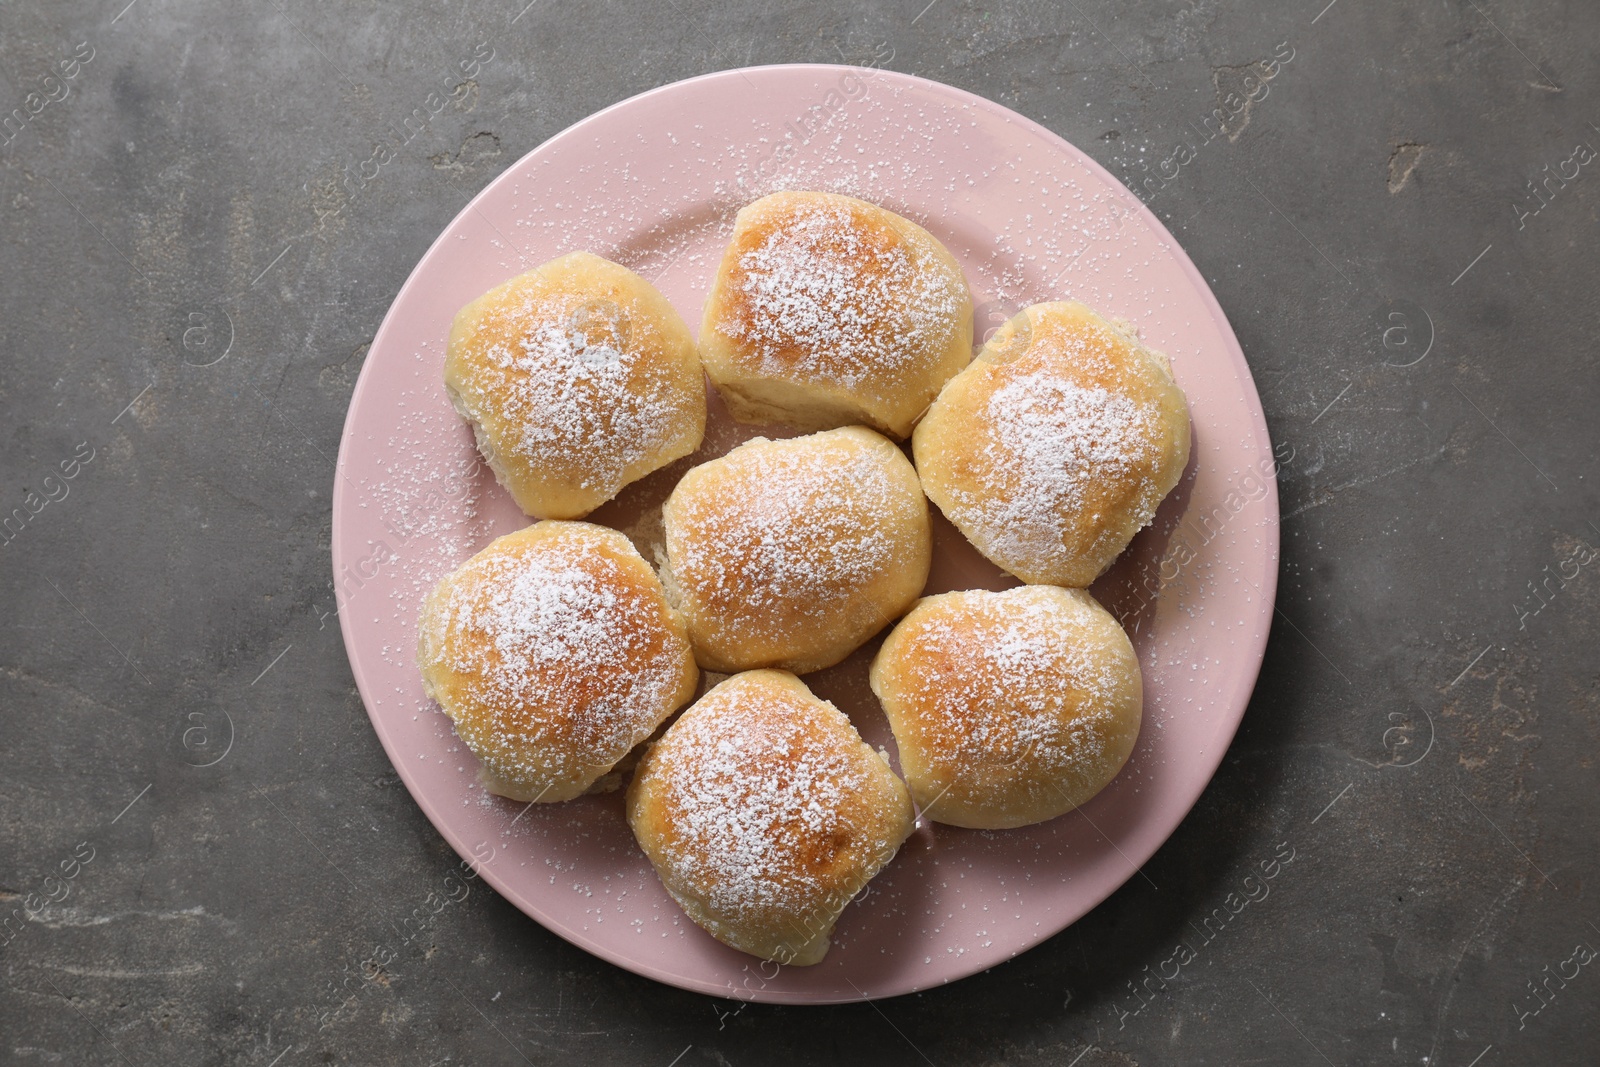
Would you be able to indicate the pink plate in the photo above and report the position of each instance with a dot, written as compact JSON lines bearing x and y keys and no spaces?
{"x":653,"y":183}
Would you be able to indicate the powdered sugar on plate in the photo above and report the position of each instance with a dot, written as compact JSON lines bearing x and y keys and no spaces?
{"x":654,"y":184}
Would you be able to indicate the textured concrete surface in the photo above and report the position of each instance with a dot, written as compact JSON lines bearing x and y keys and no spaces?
{"x":187,"y":771}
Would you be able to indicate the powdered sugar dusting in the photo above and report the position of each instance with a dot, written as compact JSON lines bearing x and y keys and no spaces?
{"x":797,"y":530}
{"x":759,"y":799}
{"x":564,"y":648}
{"x":660,"y":196}
{"x":1003,"y":677}
{"x":582,"y":394}
{"x":1050,"y":442}
{"x":825,"y":299}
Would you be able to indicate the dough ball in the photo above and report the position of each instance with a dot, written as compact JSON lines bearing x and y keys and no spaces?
{"x":793,"y":553}
{"x":555,"y":653}
{"x":578,"y":377}
{"x":764,"y":813}
{"x":829,"y":310}
{"x":1009,"y":708}
{"x":1056,"y":445}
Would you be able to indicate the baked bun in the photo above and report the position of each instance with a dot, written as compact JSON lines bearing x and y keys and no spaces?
{"x":578,"y":377}
{"x":1056,"y":445}
{"x":555,"y":652}
{"x":1009,"y":708}
{"x":764,"y":813}
{"x":793,"y":553}
{"x":829,"y":310}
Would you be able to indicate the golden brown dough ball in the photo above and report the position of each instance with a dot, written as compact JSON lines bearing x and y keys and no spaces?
{"x":793,"y":553}
{"x":578,"y":377}
{"x":1009,"y":708}
{"x":1056,"y":445}
{"x":829,"y":310}
{"x":555,"y":653}
{"x":764,"y":813}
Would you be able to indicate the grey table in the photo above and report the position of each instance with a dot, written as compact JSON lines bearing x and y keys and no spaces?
{"x":1401,"y":224}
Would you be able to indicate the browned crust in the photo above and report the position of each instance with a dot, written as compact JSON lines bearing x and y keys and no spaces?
{"x":557,"y":747}
{"x":814,"y":863}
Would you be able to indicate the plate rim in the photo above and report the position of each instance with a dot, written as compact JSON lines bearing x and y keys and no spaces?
{"x":1254,"y":653}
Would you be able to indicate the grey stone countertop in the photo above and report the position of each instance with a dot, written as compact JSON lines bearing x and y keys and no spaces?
{"x":1402,"y":232}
